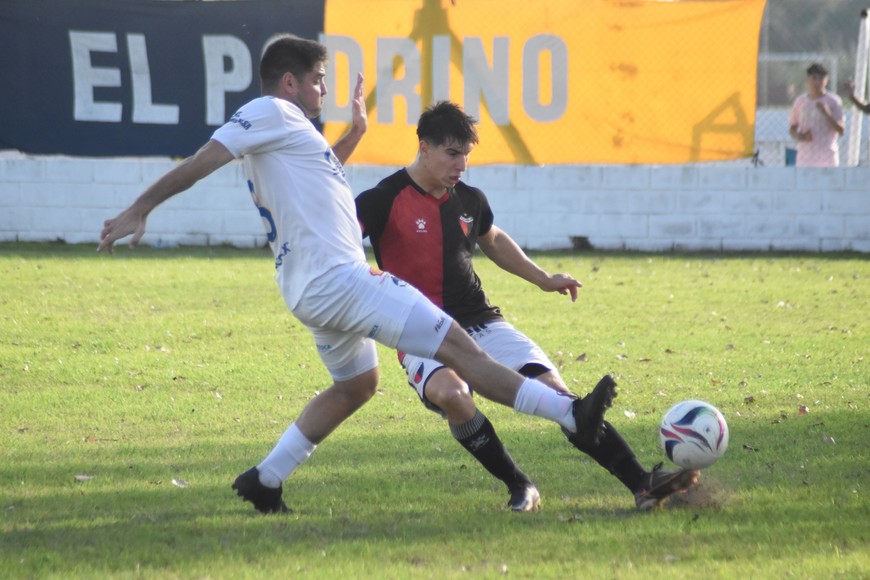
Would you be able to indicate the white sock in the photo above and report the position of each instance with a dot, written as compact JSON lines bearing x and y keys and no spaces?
{"x":536,"y":398}
{"x":292,"y":450}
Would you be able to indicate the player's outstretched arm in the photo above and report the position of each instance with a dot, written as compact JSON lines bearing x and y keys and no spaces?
{"x":507,"y":255}
{"x":344,"y":147}
{"x":183,"y":176}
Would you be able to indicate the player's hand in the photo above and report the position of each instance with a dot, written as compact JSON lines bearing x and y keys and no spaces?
{"x":125,"y":223}
{"x":804,"y":135}
{"x":563,"y":284}
{"x":359,"y":116}
{"x":823,"y":107}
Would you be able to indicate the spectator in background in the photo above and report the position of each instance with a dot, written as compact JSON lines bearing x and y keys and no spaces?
{"x":853,"y":96}
{"x":816,"y":122}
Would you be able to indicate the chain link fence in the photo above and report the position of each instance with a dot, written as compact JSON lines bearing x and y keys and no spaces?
{"x":794,"y":34}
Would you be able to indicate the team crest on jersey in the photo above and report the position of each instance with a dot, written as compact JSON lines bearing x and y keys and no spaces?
{"x":465,"y":222}
{"x":421,"y":225}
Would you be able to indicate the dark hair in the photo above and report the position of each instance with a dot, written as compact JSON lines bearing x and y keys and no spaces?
{"x":444,"y":122}
{"x":817,"y":69}
{"x":289,"y":54}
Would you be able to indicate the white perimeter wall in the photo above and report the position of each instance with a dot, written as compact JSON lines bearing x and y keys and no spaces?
{"x":645,"y":208}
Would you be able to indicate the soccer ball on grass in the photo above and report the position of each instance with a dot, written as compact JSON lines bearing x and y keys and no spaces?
{"x":694,"y":434}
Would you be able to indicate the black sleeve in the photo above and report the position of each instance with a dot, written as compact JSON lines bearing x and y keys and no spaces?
{"x":373,"y":209}
{"x":486,"y":216}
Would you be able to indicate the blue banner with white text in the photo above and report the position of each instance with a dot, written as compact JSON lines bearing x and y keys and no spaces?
{"x":133,"y":77}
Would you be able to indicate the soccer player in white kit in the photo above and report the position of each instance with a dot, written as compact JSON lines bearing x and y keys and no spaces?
{"x":298,"y":185}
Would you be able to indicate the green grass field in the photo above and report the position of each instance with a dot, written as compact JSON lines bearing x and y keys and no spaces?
{"x":135,"y":387}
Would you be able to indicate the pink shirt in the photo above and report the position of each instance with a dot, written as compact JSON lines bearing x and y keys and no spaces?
{"x":823,"y":150}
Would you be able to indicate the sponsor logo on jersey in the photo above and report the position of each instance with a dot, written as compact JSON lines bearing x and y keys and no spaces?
{"x":477,"y":331}
{"x":421,"y":226}
{"x":374,"y":331}
{"x":324,"y":347}
{"x":465,"y":222}
{"x":237,"y":118}
{"x":335,"y":164}
{"x":440,"y":323}
{"x":279,"y":259}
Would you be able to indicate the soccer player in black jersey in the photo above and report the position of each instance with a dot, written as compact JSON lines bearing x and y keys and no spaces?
{"x":424,"y":224}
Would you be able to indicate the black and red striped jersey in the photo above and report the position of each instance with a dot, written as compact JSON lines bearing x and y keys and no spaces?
{"x":430,"y":242}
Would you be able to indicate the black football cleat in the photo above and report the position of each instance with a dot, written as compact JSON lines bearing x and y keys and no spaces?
{"x":266,"y":500}
{"x":525,"y":498}
{"x":659,"y":485}
{"x":589,"y":412}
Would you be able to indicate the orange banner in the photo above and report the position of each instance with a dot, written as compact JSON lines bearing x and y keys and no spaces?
{"x":552,"y":82}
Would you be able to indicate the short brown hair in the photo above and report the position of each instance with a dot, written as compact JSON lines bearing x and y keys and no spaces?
{"x":289,"y":54}
{"x":444,"y":122}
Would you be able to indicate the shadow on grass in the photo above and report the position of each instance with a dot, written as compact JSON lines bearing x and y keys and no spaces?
{"x":395,"y":492}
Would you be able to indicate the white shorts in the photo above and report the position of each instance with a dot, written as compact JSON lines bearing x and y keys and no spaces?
{"x":500,"y":340}
{"x":353,"y":305}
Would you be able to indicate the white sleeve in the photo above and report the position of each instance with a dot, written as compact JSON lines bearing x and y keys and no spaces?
{"x":257,"y":127}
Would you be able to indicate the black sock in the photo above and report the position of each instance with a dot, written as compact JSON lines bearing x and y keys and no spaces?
{"x":479,"y":438}
{"x":613,"y":454}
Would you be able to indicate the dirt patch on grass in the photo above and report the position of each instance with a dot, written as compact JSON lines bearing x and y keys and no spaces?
{"x":706,"y":494}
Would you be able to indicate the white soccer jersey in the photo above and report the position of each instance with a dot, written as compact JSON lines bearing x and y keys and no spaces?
{"x":299,"y":187}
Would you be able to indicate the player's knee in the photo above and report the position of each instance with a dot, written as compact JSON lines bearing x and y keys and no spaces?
{"x":358,"y":390}
{"x":368,"y":387}
{"x":453,"y":398}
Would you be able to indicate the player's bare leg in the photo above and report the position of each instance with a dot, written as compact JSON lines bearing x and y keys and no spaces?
{"x":262,"y":485}
{"x":584,"y":417}
{"x":330,"y":408}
